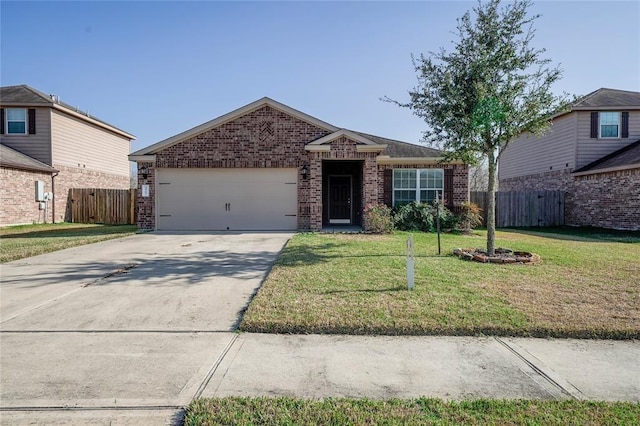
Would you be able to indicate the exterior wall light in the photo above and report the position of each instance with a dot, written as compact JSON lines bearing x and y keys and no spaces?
{"x":304,"y":171}
{"x":144,"y":171}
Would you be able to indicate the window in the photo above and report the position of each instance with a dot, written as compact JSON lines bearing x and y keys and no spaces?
{"x":16,"y":121}
{"x":609,"y":124}
{"x":416,"y":185}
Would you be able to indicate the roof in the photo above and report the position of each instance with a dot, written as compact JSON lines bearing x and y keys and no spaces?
{"x":622,"y":159}
{"x":24,"y":95}
{"x":391,"y":148}
{"x":398,"y":149}
{"x":11,"y":158}
{"x":608,"y":98}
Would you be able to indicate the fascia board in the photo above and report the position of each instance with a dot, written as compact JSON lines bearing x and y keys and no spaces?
{"x":386,"y":160}
{"x":371,"y":148}
{"x":318,"y":148}
{"x":142,"y":158}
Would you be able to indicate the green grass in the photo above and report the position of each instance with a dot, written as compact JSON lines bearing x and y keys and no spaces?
{"x":292,"y":411}
{"x":17,"y":242}
{"x":586,"y":287}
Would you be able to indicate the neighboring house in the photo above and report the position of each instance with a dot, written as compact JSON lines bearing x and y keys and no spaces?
{"x":267,"y":166}
{"x":591,"y":152}
{"x":46,"y":140}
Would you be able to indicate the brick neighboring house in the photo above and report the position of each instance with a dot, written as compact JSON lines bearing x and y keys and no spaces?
{"x":267,"y":166}
{"x":592,"y":152}
{"x":44,"y":139}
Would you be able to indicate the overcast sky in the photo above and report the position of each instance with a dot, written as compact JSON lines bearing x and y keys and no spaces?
{"x":158,"y":68}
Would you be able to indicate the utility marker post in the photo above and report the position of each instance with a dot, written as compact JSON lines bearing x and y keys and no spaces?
{"x":438,"y":218}
{"x":410,"y":263}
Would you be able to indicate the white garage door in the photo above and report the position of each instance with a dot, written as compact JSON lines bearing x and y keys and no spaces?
{"x":226,"y":199}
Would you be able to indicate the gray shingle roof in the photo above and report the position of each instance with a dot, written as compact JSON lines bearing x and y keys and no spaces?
{"x":23,"y":94}
{"x":603,"y":98}
{"x":399,"y":149}
{"x":627,"y":156}
{"x":13,"y":159}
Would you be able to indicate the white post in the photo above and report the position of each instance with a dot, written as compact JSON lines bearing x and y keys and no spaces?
{"x":410,"y":263}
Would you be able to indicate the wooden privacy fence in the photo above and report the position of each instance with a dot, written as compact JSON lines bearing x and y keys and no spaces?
{"x":108,"y":206}
{"x":524,"y":208}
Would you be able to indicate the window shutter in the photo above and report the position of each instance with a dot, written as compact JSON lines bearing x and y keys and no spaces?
{"x":625,"y":125}
{"x":388,"y":187}
{"x":2,"y":120}
{"x":32,"y":121}
{"x":594,"y":124}
{"x":448,"y":188}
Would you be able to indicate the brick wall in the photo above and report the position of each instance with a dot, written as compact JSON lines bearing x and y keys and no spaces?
{"x":460,"y":179}
{"x":146,"y":205}
{"x":268,"y":138}
{"x":342,"y":148}
{"x":75,"y":177}
{"x":606,"y":200}
{"x":17,"y":196}
{"x":265,"y":138}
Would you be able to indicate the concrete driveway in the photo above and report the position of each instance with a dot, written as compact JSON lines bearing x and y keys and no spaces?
{"x":136,"y":324}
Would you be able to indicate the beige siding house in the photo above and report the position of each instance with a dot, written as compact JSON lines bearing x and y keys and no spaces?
{"x":81,"y":151}
{"x":267,"y":166}
{"x":575,"y":155}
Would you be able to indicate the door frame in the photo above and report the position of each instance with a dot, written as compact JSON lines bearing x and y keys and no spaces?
{"x":340,"y":221}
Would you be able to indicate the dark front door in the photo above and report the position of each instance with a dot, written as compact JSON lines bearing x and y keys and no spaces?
{"x":340,"y":193}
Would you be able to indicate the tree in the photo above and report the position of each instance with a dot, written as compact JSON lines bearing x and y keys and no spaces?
{"x":490,"y":88}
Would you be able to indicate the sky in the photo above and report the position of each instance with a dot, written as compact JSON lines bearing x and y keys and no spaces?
{"x":158,"y":68}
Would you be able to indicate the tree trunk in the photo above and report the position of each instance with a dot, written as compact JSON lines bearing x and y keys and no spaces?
{"x":491,"y":204}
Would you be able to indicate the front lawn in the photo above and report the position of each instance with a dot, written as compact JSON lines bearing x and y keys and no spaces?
{"x":586,"y":287}
{"x":422,"y":411}
{"x":17,"y":242}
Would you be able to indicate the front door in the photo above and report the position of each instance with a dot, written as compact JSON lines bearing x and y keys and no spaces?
{"x":340,"y":194}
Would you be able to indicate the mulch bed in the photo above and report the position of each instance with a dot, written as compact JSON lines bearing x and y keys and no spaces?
{"x":501,"y":256}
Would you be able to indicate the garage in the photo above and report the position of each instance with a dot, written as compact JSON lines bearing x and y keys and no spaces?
{"x":244,"y":199}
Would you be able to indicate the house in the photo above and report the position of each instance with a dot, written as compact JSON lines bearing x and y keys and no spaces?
{"x":592,"y":153}
{"x":54,"y":146}
{"x":267,"y":166}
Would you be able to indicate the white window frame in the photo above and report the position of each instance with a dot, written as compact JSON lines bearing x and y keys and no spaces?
{"x":600,"y":124}
{"x":418,"y":188}
{"x":6,"y":121}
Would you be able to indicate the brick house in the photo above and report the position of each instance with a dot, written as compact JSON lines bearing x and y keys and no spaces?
{"x":267,"y":166}
{"x":592,"y":152}
{"x":48,"y":141}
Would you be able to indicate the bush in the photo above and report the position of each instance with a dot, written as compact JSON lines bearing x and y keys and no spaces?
{"x":470,"y":217}
{"x":416,"y":216}
{"x":378,"y":219}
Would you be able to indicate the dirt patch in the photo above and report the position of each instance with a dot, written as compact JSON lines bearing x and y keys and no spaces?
{"x":501,"y":256}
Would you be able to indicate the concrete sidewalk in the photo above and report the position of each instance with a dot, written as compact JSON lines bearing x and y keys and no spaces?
{"x":317,"y":366}
{"x":314,"y":366}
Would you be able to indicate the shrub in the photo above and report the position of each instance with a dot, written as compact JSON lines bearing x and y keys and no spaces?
{"x":470,"y":216}
{"x":378,"y":219}
{"x":416,"y":216}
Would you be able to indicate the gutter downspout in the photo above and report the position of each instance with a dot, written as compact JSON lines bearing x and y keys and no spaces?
{"x":53,"y":191}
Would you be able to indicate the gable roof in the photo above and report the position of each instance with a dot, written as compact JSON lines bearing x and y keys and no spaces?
{"x":622,"y":159}
{"x":27,"y":96}
{"x":13,"y":159}
{"x":260,"y":103}
{"x":608,"y":99}
{"x":390,"y":148}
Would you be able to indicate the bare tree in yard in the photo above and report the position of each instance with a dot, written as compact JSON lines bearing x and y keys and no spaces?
{"x":479,"y":176}
{"x":490,"y":88}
